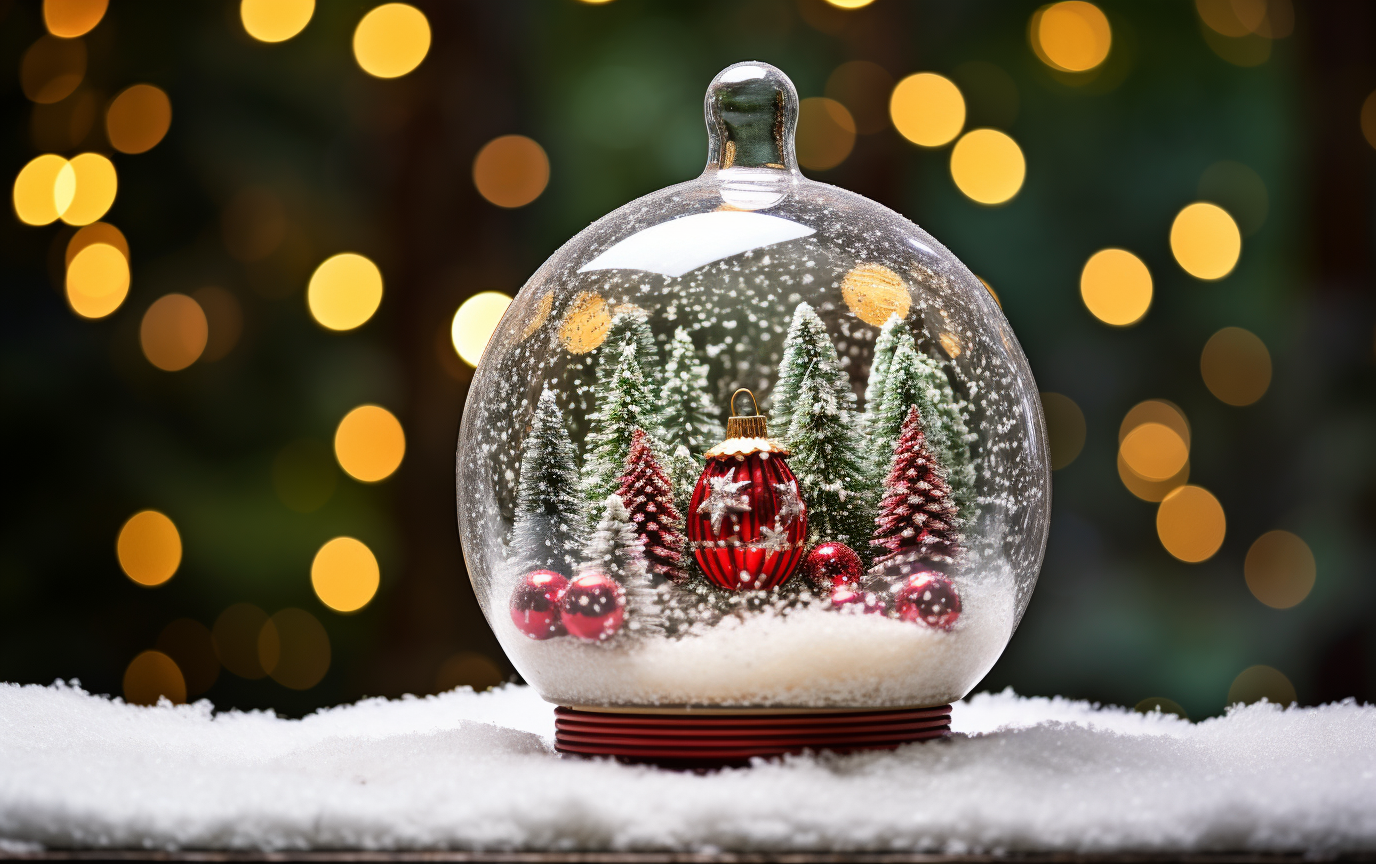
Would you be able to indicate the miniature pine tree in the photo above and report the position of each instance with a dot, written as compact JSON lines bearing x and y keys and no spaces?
{"x":690,"y":417}
{"x":908,"y":383}
{"x":684,"y":470}
{"x":894,"y":332}
{"x":625,"y":403}
{"x":916,"y":520}
{"x":546,"y":533}
{"x":828,"y":453}
{"x":647,"y":493}
{"x":630,"y":327}
{"x":616,"y":549}
{"x":955,"y":454}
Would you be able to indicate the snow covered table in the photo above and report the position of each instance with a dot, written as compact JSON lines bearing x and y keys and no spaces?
{"x":477,"y":772}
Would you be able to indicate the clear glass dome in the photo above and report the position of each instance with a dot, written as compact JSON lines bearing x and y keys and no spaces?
{"x":636,"y":536}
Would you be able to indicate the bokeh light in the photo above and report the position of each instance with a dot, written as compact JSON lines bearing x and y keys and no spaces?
{"x":96,"y":232}
{"x":1154,"y":451}
{"x":1150,"y":490}
{"x":236,"y":634}
{"x":927,"y":109}
{"x":1256,"y":683}
{"x":69,"y":19}
{"x":873,"y":292}
{"x":1164,"y":413}
{"x":468,"y":669}
{"x":864,"y":88}
{"x":1270,"y":19}
{"x":173,"y":332}
{"x":149,"y":548}
{"x":52,"y":69}
{"x":275,"y":20}
{"x":474,"y":322}
{"x":192,"y":648}
{"x":1116,"y":287}
{"x":586,"y":323}
{"x":151,"y":676}
{"x":224,"y":318}
{"x":391,"y":40}
{"x":138,"y":118}
{"x":1280,"y":569}
{"x":988,"y":166}
{"x":97,"y":280}
{"x":35,"y":201}
{"x":1072,"y":36}
{"x":511,"y":171}
{"x":345,"y":574}
{"x":850,"y":4}
{"x":1367,"y":118}
{"x":1065,"y":427}
{"x":369,"y":443}
{"x":304,"y":475}
{"x":1190,"y":524}
{"x":826,"y":133}
{"x":1206,"y":241}
{"x":294,"y":649}
{"x":93,"y":185}
{"x":344,"y":291}
{"x":1236,"y":366}
{"x":1154,"y":704}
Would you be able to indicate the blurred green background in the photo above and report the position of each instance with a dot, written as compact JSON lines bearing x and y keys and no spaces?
{"x":282,"y":154}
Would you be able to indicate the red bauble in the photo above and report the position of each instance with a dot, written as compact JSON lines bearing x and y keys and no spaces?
{"x":593,"y":607}
{"x":929,"y":597}
{"x":535,"y":604}
{"x":849,"y":598}
{"x":747,"y":522}
{"x":831,"y":565}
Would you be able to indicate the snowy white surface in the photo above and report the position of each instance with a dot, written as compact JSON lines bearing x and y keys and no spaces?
{"x":477,"y":771}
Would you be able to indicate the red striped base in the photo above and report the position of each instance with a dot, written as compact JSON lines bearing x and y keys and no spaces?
{"x":706,"y":738}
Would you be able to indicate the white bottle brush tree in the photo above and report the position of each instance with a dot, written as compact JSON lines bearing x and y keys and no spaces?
{"x":616,"y":549}
{"x":547,"y":529}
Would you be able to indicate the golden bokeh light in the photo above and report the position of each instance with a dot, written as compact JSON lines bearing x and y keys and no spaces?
{"x":192,"y":648}
{"x":1191,"y":524}
{"x":344,"y":291}
{"x":1256,"y":683}
{"x":224,"y":318}
{"x":1065,"y":428}
{"x":294,"y":649}
{"x":69,"y":19}
{"x":35,"y":199}
{"x":173,"y":332}
{"x":873,"y":292}
{"x":1236,"y":19}
{"x":474,"y":322}
{"x":149,"y":548}
{"x":345,"y":574}
{"x":586,"y":323}
{"x":96,"y":232}
{"x":826,"y":133}
{"x":275,"y":20}
{"x":511,"y":171}
{"x":1280,"y":569}
{"x":1236,"y":366}
{"x":85,"y":189}
{"x":927,"y":109}
{"x":467,"y":669}
{"x":97,"y":280}
{"x":1206,"y":241}
{"x":1367,"y":119}
{"x":864,"y":88}
{"x":850,"y":4}
{"x":52,"y":69}
{"x":304,"y":475}
{"x":1116,"y":287}
{"x":1155,"y":411}
{"x":236,"y":634}
{"x":1154,"y":451}
{"x":138,"y":118}
{"x":151,"y":676}
{"x":988,"y":166}
{"x":369,"y":443}
{"x":391,"y":40}
{"x":1071,"y":36}
{"x":543,"y":306}
{"x":1150,"y":490}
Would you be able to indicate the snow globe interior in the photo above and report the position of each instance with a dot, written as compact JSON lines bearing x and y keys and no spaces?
{"x":641,"y":536}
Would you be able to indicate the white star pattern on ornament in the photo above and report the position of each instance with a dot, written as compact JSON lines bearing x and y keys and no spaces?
{"x":790,"y":507}
{"x":724,"y":498}
{"x":774,"y":539}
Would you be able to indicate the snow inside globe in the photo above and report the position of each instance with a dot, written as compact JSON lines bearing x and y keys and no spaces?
{"x":752,"y":451}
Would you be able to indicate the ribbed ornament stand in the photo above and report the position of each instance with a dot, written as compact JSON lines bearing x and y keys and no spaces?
{"x":710,"y":738}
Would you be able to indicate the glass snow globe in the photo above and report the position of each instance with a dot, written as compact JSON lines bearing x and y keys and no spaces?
{"x":752,"y":464}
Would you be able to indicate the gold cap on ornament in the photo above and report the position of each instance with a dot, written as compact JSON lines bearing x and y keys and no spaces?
{"x":745,"y":434}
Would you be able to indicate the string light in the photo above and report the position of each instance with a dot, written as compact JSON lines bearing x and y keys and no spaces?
{"x":138,"y":118}
{"x":1072,"y":36}
{"x":1236,"y":366}
{"x":988,"y":166}
{"x":1191,"y":524}
{"x":173,"y":333}
{"x":97,"y":280}
{"x":369,"y":443}
{"x":1280,"y":569}
{"x":474,"y":322}
{"x":149,"y":548}
{"x":35,"y":199}
{"x":927,"y":109}
{"x":391,"y":40}
{"x":1116,"y":287}
{"x":826,"y":133}
{"x":152,"y":676}
{"x":345,"y":574}
{"x":344,"y":291}
{"x":1206,"y":241}
{"x":69,"y":19}
{"x":511,"y":171}
{"x":275,"y":20}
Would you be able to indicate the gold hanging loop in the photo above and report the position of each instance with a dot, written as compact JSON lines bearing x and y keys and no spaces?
{"x":746,"y":427}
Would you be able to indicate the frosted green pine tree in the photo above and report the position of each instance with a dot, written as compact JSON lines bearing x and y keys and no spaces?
{"x":801,"y":330}
{"x":625,"y":403}
{"x":690,"y":417}
{"x":828,"y":450}
{"x":959,"y":464}
{"x":684,"y":470}
{"x":549,"y":512}
{"x":894,"y":332}
{"x":615,"y":548}
{"x":630,"y":327}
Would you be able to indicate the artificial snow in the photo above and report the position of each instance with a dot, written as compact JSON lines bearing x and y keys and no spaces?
{"x":477,"y":771}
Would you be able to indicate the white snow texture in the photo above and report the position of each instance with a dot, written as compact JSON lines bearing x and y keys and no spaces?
{"x":477,"y":771}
